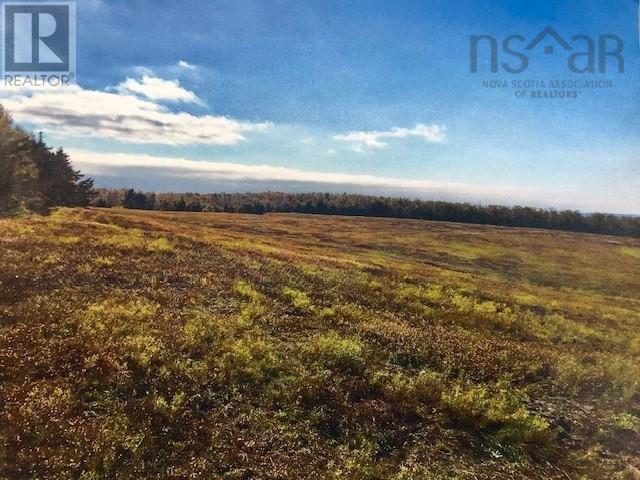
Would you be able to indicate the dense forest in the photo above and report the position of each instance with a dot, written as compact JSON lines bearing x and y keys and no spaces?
{"x":369,"y":206}
{"x":33,"y":176}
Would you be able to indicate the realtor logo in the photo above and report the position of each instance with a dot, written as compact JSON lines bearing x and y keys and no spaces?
{"x":38,"y":42}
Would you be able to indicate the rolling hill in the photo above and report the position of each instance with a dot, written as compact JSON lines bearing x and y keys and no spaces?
{"x":192,"y":345}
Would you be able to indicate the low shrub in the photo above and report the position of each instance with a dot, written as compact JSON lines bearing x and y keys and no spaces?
{"x":495,"y":411}
{"x":626,"y":422}
{"x":117,"y":317}
{"x":125,"y":239}
{"x":614,"y":377}
{"x":299,"y":300}
{"x":104,"y":261}
{"x":337,"y":353}
{"x":246,"y":290}
{"x":498,"y":411}
{"x":248,"y":362}
{"x":161,"y":245}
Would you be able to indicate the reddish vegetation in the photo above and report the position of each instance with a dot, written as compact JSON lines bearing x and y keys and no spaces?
{"x":147,"y":344}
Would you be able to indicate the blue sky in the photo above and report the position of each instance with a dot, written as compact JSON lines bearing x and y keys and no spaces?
{"x":368,"y":96}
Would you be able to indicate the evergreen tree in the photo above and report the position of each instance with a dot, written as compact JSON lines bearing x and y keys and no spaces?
{"x":59,"y":183}
{"x":34,"y":177}
{"x":18,"y":172}
{"x":139,"y":200}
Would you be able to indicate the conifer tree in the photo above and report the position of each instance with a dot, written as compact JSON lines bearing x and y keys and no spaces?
{"x":18,"y":172}
{"x":33,"y":176}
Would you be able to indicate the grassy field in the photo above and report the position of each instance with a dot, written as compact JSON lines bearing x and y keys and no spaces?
{"x":139,"y":345}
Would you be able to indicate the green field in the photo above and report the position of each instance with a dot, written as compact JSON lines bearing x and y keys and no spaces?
{"x":139,"y":345}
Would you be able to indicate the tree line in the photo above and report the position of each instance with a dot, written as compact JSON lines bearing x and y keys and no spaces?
{"x":371,"y":206}
{"x":33,"y":176}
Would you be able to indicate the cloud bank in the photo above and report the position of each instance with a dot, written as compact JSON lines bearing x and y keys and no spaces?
{"x":163,"y":174}
{"x":212,"y":176}
{"x":129,"y":113}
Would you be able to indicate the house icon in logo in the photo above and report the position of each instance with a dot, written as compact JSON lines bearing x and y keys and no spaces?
{"x":549,"y":49}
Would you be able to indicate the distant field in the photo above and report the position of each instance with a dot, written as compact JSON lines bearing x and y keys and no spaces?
{"x":139,"y":345}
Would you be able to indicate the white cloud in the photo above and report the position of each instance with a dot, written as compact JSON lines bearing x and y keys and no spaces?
{"x":122,"y":116}
{"x":363,"y":141}
{"x":122,"y":164}
{"x":186,"y":65}
{"x":157,"y":89}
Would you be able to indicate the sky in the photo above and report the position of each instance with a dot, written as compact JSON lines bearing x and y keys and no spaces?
{"x":358,"y":96}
